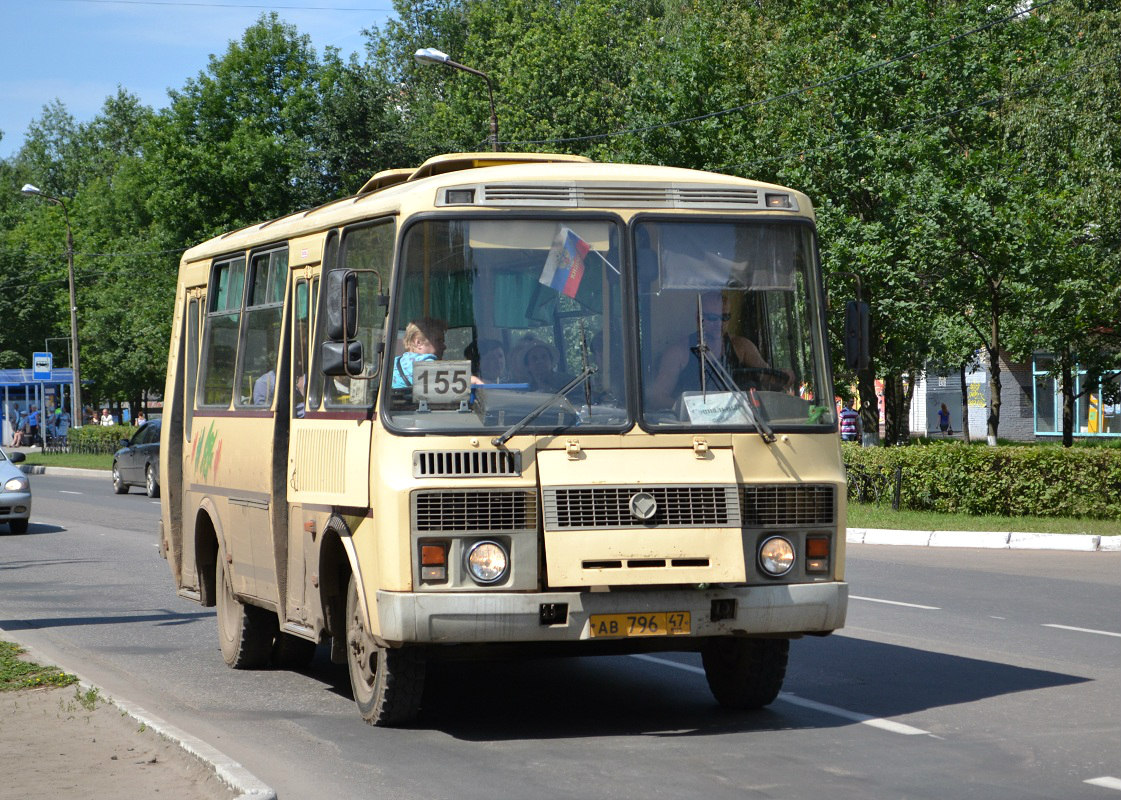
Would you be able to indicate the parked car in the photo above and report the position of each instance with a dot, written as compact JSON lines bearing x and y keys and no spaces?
{"x":137,"y":463}
{"x":15,"y":493}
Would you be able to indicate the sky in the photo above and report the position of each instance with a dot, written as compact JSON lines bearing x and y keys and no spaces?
{"x":80,"y":51}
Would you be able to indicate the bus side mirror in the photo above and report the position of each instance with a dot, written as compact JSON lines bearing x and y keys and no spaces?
{"x":342,"y":305}
{"x":339,"y":359}
{"x":857,"y":335}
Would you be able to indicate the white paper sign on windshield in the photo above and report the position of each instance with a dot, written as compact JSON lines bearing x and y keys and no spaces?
{"x":717,"y":408}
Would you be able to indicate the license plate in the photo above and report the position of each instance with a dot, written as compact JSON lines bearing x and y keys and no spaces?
{"x":658,"y":623}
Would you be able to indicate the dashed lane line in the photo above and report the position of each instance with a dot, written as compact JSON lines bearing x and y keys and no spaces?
{"x":893,"y":603}
{"x":1081,"y":630}
{"x":786,"y":697}
{"x":1106,"y":782}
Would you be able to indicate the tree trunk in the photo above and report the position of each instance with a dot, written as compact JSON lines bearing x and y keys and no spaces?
{"x":1067,"y":381}
{"x":994,"y":373}
{"x":869,"y":409}
{"x":964,"y":405}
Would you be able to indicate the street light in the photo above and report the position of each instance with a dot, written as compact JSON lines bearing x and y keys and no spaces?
{"x":76,"y":386}
{"x":430,"y":55}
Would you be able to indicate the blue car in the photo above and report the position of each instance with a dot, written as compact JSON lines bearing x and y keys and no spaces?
{"x":15,"y":493}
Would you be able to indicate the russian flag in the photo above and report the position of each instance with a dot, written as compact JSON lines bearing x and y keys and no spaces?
{"x":564,"y":268}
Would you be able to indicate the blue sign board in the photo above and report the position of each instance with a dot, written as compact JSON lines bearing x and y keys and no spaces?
{"x":41,"y":366}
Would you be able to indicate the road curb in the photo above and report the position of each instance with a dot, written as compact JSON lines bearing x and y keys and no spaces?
{"x":77,"y":472}
{"x":993,"y":540}
{"x":230,"y":772}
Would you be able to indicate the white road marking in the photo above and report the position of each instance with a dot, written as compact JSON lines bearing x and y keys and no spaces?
{"x":1081,"y":630}
{"x":1107,"y":782}
{"x":63,"y":491}
{"x":893,"y":602}
{"x":786,"y":697}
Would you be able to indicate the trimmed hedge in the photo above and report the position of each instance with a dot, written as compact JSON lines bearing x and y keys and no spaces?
{"x":98,"y":439}
{"x":958,"y":478}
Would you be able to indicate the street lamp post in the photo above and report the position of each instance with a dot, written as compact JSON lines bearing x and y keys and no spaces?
{"x":430,"y":55}
{"x":76,"y":386}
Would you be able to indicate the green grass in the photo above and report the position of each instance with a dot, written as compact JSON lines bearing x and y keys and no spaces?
{"x":79,"y":460}
{"x":867,"y":515}
{"x":16,"y":673}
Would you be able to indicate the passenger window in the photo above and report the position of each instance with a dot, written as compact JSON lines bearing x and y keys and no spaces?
{"x":215,"y":388}
{"x":261,"y":337}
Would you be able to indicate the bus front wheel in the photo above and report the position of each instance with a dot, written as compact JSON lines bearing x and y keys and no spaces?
{"x":387,"y":682}
{"x":245,"y":632}
{"x":745,"y":674}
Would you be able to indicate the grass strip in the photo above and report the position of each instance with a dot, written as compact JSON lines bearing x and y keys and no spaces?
{"x":17,"y":673}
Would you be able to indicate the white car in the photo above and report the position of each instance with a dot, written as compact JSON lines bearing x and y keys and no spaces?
{"x":15,"y":493}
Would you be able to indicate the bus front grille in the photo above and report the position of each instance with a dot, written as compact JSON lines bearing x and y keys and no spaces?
{"x":611,"y":507}
{"x":482,"y":510}
{"x":788,"y":505}
{"x":466,"y":463}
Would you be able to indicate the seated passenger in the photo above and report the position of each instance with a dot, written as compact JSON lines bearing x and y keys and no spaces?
{"x":488,"y":360}
{"x":536,"y":362}
{"x":424,"y":341}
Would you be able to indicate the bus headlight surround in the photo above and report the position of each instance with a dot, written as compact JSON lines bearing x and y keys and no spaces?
{"x":487,"y":562}
{"x":776,"y":556}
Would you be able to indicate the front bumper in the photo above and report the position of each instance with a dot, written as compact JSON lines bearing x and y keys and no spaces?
{"x":496,"y":617}
{"x":15,"y":505}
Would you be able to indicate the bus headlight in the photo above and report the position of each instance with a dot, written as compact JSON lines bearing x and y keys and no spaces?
{"x":776,"y":556}
{"x":487,"y":562}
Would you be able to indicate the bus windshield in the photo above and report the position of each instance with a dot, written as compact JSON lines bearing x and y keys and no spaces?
{"x":729,"y":325}
{"x":495,"y":317}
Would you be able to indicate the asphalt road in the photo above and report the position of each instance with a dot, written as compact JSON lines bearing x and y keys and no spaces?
{"x":961,"y":674}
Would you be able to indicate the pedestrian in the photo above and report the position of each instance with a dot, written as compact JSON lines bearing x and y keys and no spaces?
{"x":944,"y":421}
{"x":850,"y":422}
{"x":33,"y":424}
{"x":140,"y":419}
{"x":106,"y":418}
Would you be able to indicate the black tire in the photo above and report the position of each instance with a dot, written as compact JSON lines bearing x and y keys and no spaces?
{"x":745,"y":674}
{"x":151,"y":485}
{"x":17,"y":526}
{"x":245,"y":632}
{"x":119,"y":486}
{"x":292,"y":652}
{"x":387,"y":683}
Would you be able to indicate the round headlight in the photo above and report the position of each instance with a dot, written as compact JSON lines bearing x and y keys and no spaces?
{"x":487,"y":562}
{"x":776,"y":556}
{"x":16,"y":485}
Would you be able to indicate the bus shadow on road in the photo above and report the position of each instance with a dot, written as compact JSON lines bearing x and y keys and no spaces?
{"x":620,"y":696}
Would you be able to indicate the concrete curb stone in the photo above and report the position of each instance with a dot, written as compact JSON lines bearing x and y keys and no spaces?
{"x":995,"y":540}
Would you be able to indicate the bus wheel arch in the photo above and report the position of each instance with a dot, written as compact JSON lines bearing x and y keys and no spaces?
{"x":335,"y":569}
{"x":206,"y":556}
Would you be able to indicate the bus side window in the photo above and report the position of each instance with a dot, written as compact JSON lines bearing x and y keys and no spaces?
{"x":369,"y":250}
{"x":261,"y":336}
{"x":192,"y":365}
{"x":300,"y":343}
{"x":223,"y":318}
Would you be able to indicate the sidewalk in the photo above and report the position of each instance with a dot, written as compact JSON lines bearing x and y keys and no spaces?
{"x":77,"y":742}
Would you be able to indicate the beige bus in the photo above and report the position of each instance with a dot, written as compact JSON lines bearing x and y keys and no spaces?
{"x":509,"y":401}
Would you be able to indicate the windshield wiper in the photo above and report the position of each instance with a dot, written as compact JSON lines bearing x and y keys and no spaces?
{"x":755,"y":409}
{"x":585,"y":374}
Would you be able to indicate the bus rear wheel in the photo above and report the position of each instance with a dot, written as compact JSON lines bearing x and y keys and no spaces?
{"x":387,"y":682}
{"x":245,"y":632}
{"x":745,"y":674}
